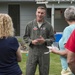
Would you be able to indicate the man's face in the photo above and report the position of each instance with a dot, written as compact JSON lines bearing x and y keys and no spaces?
{"x":40,"y":14}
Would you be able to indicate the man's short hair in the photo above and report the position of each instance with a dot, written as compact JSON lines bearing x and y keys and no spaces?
{"x":41,"y":7}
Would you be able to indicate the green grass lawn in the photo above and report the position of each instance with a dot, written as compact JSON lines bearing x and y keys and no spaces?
{"x":55,"y":67}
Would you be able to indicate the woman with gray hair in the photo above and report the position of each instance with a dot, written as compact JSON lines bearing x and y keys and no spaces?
{"x":69,"y":15}
{"x":9,"y":48}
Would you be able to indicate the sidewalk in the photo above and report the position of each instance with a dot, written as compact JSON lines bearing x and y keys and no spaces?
{"x":24,"y":51}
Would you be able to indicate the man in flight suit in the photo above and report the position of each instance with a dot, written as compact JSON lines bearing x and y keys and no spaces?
{"x":38,"y":34}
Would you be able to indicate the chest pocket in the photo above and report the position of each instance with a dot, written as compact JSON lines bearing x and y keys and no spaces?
{"x":34,"y":32}
{"x":43,"y":32}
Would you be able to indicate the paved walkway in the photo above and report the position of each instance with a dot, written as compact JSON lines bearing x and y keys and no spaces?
{"x":24,"y":51}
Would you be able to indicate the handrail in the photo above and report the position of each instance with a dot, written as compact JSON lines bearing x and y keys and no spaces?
{"x":46,"y":1}
{"x":62,"y":0}
{"x":53,"y":0}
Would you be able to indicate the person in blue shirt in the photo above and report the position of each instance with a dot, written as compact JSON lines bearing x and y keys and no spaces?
{"x":9,"y":48}
{"x":69,"y":15}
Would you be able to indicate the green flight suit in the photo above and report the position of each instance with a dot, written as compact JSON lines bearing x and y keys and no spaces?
{"x":36,"y":54}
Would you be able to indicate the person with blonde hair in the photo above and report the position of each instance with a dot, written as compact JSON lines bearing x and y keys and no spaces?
{"x":9,"y":48}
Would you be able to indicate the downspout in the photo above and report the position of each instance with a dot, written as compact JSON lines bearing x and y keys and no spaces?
{"x":52,"y":16}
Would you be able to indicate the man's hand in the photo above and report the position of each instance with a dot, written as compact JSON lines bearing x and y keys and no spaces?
{"x":41,"y":40}
{"x":34,"y":42}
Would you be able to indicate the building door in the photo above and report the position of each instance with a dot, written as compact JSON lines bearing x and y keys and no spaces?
{"x":14,"y":12}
